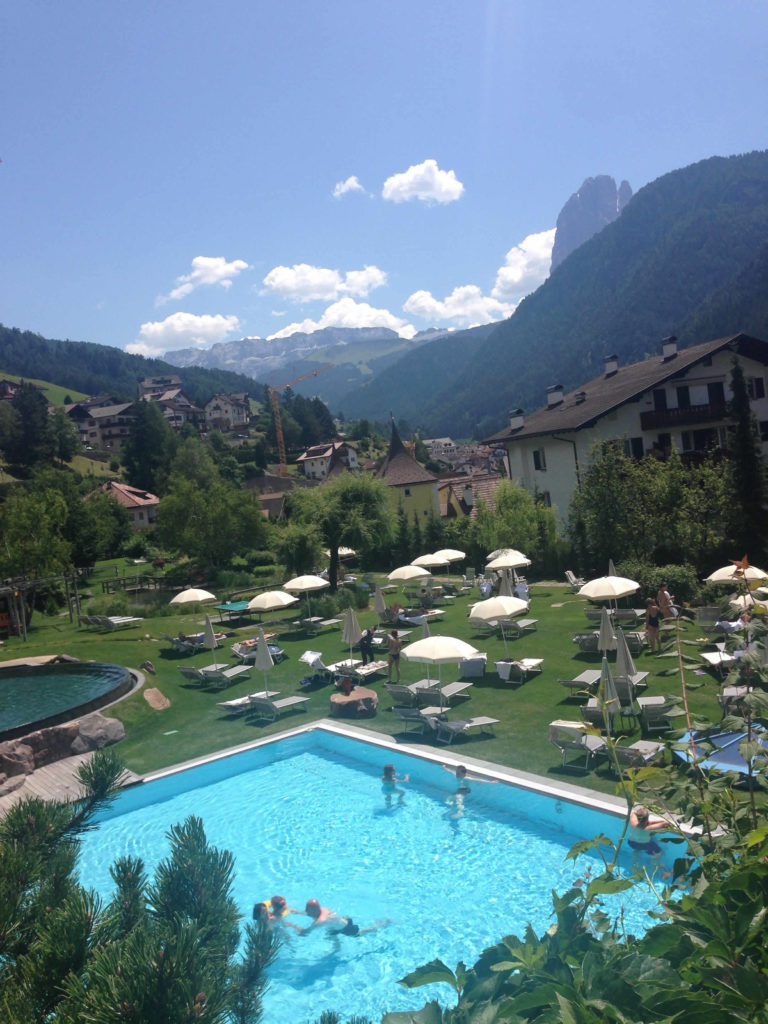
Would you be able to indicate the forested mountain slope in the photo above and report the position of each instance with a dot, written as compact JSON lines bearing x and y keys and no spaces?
{"x":101,"y":369}
{"x":687,"y":257}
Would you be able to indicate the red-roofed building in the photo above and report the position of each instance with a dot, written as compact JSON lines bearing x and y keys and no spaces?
{"x":140,"y":505}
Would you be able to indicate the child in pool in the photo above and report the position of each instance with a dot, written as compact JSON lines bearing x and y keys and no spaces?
{"x":389,"y":780}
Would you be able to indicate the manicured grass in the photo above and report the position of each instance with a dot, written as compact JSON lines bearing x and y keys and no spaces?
{"x":193,"y":725}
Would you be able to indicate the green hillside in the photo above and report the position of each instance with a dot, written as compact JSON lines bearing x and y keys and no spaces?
{"x":54,"y":392}
{"x":687,"y":257}
{"x":78,"y":366}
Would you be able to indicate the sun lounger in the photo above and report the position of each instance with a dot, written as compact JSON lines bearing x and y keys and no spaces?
{"x":655,"y":713}
{"x":239,"y":705}
{"x":270,"y":710}
{"x":639,"y":754}
{"x":514,"y":628}
{"x":731,"y":695}
{"x":112,"y":622}
{"x":574,"y":582}
{"x":410,"y":716}
{"x":572,"y":737}
{"x":183,"y":645}
{"x":446,"y":731}
{"x":403,"y":696}
{"x":219,"y":678}
{"x":518,"y":671}
{"x":587,"y":642}
{"x":192,"y":675}
{"x":428,"y":695}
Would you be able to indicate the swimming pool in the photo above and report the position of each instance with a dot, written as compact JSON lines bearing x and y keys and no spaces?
{"x":37,"y":696}
{"x":305,"y":817}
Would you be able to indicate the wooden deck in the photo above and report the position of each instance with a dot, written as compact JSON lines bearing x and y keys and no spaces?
{"x":57,"y":781}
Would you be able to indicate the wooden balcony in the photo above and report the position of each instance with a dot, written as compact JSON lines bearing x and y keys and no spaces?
{"x":692,"y":416}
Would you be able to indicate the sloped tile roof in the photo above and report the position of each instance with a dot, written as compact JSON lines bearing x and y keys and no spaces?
{"x":589,"y":402}
{"x":400,"y":468}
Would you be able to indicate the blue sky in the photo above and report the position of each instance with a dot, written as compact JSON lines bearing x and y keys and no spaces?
{"x":179,"y":173}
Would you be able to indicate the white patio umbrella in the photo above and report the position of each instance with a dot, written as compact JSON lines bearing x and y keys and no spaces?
{"x":351,"y":632}
{"x":606,"y":640}
{"x":379,"y":603}
{"x":625,"y":665}
{"x":305,"y":585}
{"x":731,"y":574}
{"x":508,"y":560}
{"x":451,"y":554}
{"x":608,"y":588}
{"x":209,"y":638}
{"x":263,"y":660}
{"x":192,"y":595}
{"x":503,"y":551}
{"x":408,"y":572}
{"x":430,"y":561}
{"x":343,"y":553}
{"x":497,"y":609}
{"x":271,"y":600}
{"x":607,"y":694}
{"x":439,"y":650}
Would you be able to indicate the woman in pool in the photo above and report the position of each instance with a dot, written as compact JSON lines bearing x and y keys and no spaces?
{"x":389,"y":780}
{"x":640,"y":839}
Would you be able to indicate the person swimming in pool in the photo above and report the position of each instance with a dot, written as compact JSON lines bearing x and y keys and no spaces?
{"x":335,"y":924}
{"x":389,"y":780}
{"x":640,"y":839}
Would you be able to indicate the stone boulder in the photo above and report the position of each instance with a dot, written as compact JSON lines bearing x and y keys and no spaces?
{"x":96,"y":732}
{"x":16,"y":758}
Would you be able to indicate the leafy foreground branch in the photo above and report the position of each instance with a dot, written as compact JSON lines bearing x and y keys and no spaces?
{"x":159,"y":952}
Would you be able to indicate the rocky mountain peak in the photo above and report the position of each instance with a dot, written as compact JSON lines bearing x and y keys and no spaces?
{"x":596,"y":204}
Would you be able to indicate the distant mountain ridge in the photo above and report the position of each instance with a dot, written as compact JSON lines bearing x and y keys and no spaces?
{"x":687,"y":256}
{"x":596,"y":204}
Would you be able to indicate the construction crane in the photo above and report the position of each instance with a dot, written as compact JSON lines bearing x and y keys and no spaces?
{"x":273,"y":397}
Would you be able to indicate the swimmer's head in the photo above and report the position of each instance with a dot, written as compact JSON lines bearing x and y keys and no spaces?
{"x":461,"y":771}
{"x":641,"y":813}
{"x":313,"y":908}
{"x":260,"y":911}
{"x":278,"y":904}
{"x":389,"y":771}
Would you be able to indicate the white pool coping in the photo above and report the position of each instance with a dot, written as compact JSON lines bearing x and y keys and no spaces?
{"x":556,"y":790}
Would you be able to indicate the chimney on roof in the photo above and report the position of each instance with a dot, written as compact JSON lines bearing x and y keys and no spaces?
{"x":554,"y":395}
{"x":469,"y":495}
{"x":516,"y":419}
{"x":668,"y":347}
{"x":611,"y":365}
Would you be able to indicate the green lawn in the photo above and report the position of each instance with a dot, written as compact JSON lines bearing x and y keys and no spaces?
{"x":193,"y":725}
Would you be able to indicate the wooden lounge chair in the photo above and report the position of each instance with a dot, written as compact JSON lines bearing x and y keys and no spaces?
{"x":446,"y":730}
{"x":573,"y":737}
{"x":270,"y":710}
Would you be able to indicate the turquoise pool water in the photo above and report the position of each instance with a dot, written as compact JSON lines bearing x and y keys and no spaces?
{"x":305,"y":817}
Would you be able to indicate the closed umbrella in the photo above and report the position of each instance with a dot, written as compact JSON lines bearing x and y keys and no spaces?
{"x":611,"y":568}
{"x":209,"y":638}
{"x":271,"y":600}
{"x":606,"y":692}
{"x":351,"y":632}
{"x":425,"y":630}
{"x":497,"y":609}
{"x":625,"y":665}
{"x":192,"y":595}
{"x":439,"y":650}
{"x":506,"y":587}
{"x":305,"y":585}
{"x":379,"y":603}
{"x":607,"y":638}
{"x":263,"y":661}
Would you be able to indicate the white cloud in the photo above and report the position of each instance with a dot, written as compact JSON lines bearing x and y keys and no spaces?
{"x":423,"y":181}
{"x":465,"y":306}
{"x":527,"y":266}
{"x":182,"y":330}
{"x":305,"y":283}
{"x":348,"y":313}
{"x":205,"y":270}
{"x":341,"y":188}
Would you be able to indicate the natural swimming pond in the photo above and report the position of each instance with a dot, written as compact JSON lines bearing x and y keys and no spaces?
{"x":306,"y":818}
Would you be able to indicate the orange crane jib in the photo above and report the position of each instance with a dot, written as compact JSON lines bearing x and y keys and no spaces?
{"x":273,"y":396}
